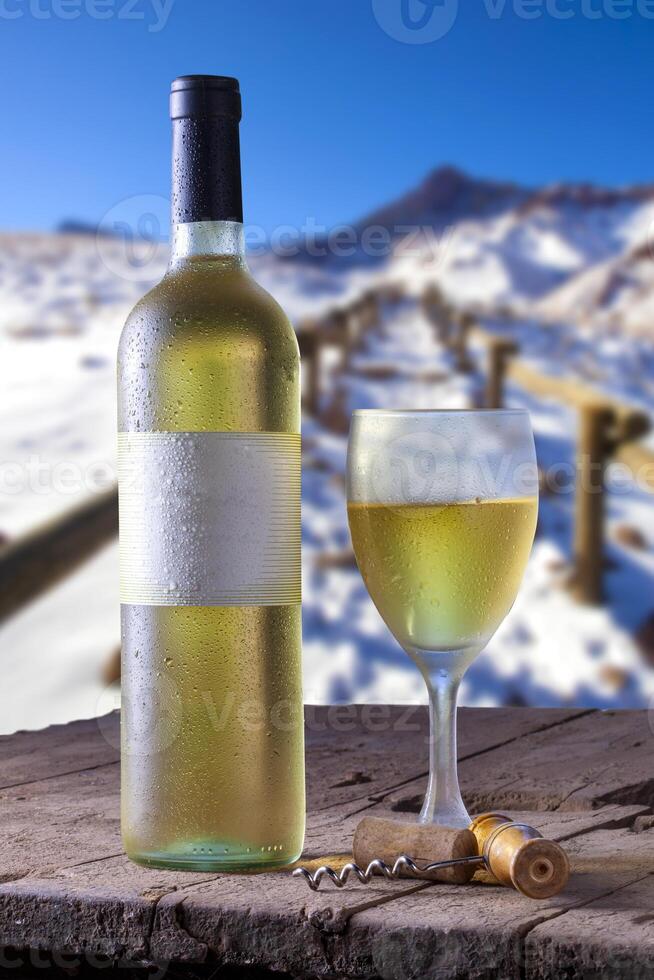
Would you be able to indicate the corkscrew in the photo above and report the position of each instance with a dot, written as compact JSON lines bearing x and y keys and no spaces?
{"x":513,"y":854}
{"x":404,"y":866}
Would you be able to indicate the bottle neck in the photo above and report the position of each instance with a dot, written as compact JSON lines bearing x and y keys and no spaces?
{"x":206,"y":203}
{"x":207,"y":238}
{"x":206,"y":183}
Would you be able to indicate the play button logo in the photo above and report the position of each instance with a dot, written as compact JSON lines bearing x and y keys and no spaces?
{"x":415,"y":21}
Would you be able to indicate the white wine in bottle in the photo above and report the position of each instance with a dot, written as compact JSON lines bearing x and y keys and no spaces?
{"x":209,"y":482}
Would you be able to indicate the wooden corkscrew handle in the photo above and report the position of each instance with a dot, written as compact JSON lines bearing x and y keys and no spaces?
{"x":519,"y":856}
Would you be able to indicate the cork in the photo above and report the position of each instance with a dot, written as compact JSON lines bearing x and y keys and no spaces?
{"x":381,"y":837}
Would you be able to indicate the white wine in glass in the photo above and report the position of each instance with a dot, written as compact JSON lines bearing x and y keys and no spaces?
{"x":442,"y":509}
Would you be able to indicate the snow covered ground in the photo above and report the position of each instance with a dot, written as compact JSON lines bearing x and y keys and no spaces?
{"x":64,"y":301}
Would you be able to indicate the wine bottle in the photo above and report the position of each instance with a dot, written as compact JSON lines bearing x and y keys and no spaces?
{"x":209,"y":493}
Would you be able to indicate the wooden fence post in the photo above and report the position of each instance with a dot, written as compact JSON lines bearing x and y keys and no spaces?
{"x":349,"y":326}
{"x":499,"y":351}
{"x":604,"y":428}
{"x":313,"y":377}
{"x":431,"y":301}
{"x":372,"y":309}
{"x":437,"y":312}
{"x":351,"y":323}
{"x":392,"y":293}
{"x":308,"y":336}
{"x":593,"y":448}
{"x":338,"y":323}
{"x":342,"y":329}
{"x":459,"y":343}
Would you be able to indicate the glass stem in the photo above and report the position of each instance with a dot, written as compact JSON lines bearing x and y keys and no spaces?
{"x":443,"y":672}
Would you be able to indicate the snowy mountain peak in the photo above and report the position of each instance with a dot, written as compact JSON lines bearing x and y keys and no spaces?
{"x":447,"y":195}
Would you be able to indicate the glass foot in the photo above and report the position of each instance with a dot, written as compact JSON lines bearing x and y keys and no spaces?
{"x":454,"y":814}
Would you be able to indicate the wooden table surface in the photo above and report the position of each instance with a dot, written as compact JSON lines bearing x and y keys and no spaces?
{"x":582,"y":777}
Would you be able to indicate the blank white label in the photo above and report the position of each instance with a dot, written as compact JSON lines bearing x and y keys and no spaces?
{"x":209,"y":518}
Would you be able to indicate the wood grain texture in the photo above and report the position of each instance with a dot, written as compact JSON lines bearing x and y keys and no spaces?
{"x":585,"y":762}
{"x":582,"y":777}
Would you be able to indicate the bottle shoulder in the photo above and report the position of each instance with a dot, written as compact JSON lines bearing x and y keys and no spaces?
{"x":227,"y":302}
{"x":207,"y":349}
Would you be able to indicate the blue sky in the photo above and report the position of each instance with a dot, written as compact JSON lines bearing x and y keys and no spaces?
{"x":339,"y":116}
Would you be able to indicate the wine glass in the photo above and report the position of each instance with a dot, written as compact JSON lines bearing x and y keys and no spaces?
{"x":442,"y":507}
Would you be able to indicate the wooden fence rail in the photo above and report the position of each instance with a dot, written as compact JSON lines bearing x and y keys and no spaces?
{"x":630,"y":422}
{"x":640,"y":461}
{"x":49,"y":553}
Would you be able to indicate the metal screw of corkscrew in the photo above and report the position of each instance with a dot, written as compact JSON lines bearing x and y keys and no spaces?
{"x":378,"y":867}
